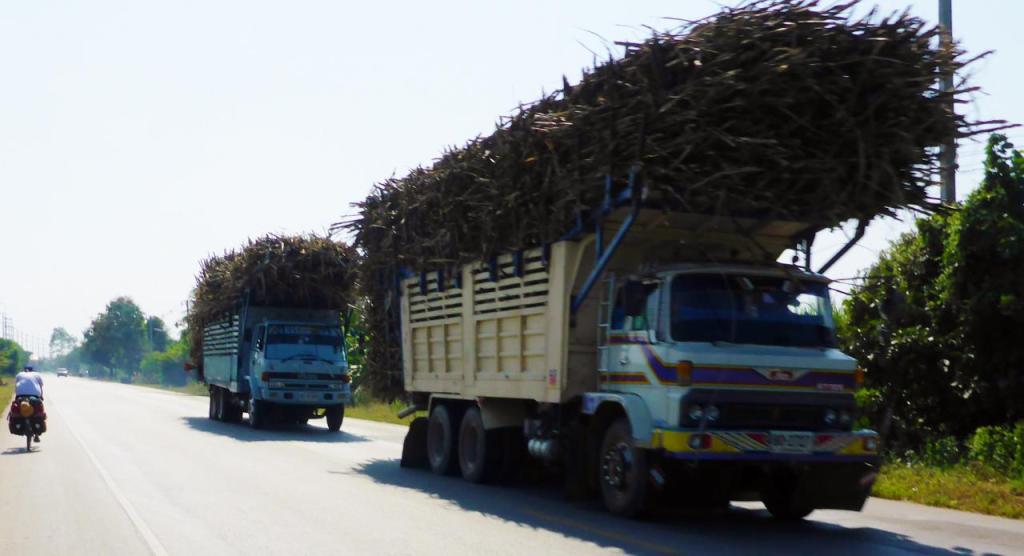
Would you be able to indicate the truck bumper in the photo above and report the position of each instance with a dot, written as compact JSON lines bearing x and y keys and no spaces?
{"x":837,"y":472}
{"x":748,"y":445}
{"x":317,"y":398}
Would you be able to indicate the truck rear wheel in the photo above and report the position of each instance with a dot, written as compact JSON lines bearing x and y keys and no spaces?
{"x":335,"y":415}
{"x":478,"y":448}
{"x":623,"y":470}
{"x":441,"y":442}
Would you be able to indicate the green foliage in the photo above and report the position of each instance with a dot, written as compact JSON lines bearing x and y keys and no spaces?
{"x":938,"y":319}
{"x":12,"y":357}
{"x":166,"y":367}
{"x":116,"y":338}
{"x":1000,"y":448}
{"x":62,"y":342}
{"x":157,"y":338}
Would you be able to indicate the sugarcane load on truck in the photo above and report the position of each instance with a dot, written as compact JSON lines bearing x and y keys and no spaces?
{"x":596,"y":283}
{"x":267,"y":328}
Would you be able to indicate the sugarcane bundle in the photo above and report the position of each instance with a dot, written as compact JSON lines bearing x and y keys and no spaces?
{"x":278,"y":271}
{"x":781,"y":110}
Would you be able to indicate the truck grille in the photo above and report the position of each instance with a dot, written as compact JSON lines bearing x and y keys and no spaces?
{"x":802,"y":417}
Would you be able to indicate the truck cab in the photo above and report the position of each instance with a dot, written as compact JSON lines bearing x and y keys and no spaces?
{"x":295,"y":364}
{"x":739,"y":365}
{"x":279,"y":364}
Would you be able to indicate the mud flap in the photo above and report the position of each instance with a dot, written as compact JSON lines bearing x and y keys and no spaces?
{"x":414,"y":449}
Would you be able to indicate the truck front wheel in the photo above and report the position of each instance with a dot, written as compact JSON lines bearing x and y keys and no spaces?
{"x":258,"y":417}
{"x":335,"y":415}
{"x":782,"y":502}
{"x":441,"y":444}
{"x":623,"y":469}
{"x":213,"y":403}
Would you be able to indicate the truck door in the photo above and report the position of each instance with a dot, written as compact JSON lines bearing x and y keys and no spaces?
{"x":629,"y":328}
{"x":255,"y":352}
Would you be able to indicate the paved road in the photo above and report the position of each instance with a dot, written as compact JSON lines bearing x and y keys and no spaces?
{"x":130,"y":470}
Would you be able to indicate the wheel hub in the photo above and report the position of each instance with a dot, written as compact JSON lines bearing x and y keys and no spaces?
{"x":615,"y":465}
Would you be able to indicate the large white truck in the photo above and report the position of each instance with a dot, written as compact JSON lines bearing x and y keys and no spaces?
{"x":279,"y":364}
{"x":648,"y":353}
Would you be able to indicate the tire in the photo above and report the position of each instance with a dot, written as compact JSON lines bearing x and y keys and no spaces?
{"x":441,"y":443}
{"x":213,"y":404}
{"x":28,"y":441}
{"x":479,"y":449}
{"x":335,"y":416}
{"x":623,"y":471}
{"x":414,"y":447}
{"x":783,"y":507}
{"x":232,"y":412}
{"x":258,"y":414}
{"x":218,"y":404}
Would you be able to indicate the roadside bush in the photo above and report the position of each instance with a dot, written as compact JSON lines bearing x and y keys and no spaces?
{"x":1001,"y":448}
{"x":942,"y":452}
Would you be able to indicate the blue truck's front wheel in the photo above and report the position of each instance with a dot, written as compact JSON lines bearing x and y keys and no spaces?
{"x":335,"y":415}
{"x":258,"y":414}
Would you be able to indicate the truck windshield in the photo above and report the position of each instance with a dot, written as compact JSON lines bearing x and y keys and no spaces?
{"x":760,"y":310}
{"x":309,"y":343}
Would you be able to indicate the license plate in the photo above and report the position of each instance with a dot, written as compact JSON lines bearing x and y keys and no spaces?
{"x":307,"y":396}
{"x":785,"y":442}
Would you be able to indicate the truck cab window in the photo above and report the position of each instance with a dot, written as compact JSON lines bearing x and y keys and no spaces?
{"x":287,"y":342}
{"x":758,"y":310}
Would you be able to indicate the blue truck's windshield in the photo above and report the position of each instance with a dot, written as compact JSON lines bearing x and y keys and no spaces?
{"x":751,"y":310}
{"x":299,"y":342}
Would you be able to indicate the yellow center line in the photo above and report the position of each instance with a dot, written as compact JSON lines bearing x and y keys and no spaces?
{"x":624,"y":539}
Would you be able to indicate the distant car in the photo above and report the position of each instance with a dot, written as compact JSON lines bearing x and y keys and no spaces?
{"x":62,"y":372}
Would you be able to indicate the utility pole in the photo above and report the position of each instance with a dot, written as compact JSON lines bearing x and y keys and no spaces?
{"x":947,"y":154}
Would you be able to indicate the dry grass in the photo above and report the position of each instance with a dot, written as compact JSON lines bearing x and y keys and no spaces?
{"x":972,"y":488}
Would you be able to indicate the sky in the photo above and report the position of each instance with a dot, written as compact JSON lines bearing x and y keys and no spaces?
{"x":138,"y":138}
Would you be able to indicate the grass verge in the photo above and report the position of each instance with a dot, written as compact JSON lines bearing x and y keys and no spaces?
{"x":6,"y":392}
{"x":971,"y":488}
{"x":193,"y":388}
{"x":379,"y":411}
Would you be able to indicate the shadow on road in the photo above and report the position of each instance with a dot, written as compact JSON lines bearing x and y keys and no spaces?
{"x":242,"y":431}
{"x":739,"y":531}
{"x":17,"y":451}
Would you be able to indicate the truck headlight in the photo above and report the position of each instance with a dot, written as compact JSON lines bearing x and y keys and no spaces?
{"x":830,"y":416}
{"x":712,"y":413}
{"x":845,"y":417}
{"x":695,"y":413}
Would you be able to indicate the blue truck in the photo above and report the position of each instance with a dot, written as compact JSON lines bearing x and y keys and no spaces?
{"x":280,"y":365}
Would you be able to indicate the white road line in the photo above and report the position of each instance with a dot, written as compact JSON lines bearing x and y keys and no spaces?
{"x":147,"y":534}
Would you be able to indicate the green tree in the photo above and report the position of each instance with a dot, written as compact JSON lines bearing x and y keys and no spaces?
{"x":116,"y":338}
{"x":938,"y":319}
{"x":61,"y":343}
{"x":166,"y":367}
{"x":12,"y":357}
{"x":157,"y":337}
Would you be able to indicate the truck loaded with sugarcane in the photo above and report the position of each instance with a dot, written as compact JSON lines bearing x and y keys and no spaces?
{"x":597,"y":284}
{"x":268,"y":326}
